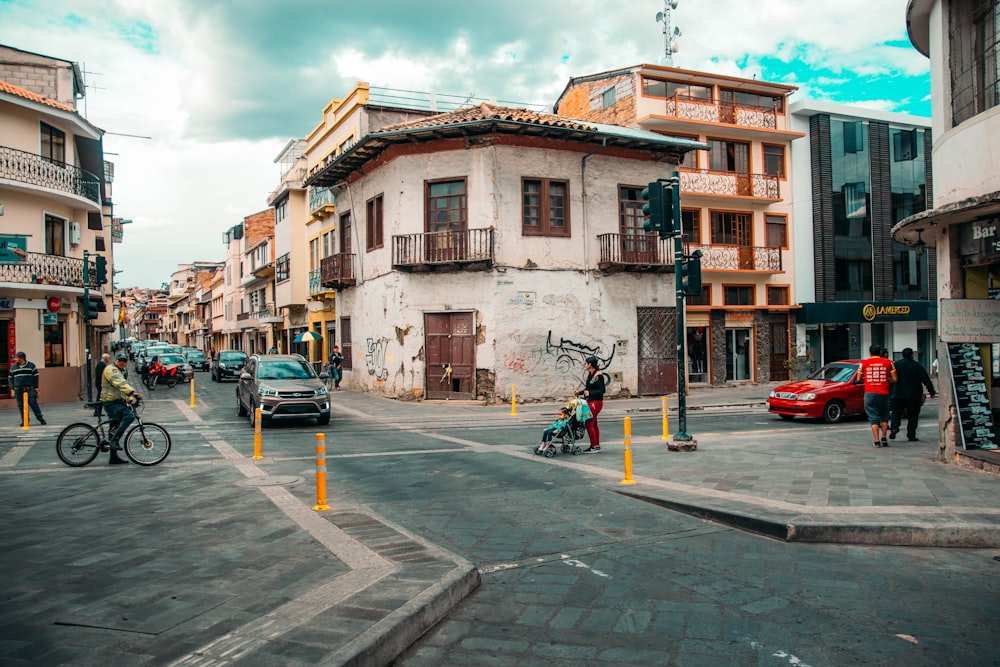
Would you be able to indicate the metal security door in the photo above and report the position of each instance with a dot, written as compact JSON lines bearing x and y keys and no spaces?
{"x":657,"y":343}
{"x":450,"y":344}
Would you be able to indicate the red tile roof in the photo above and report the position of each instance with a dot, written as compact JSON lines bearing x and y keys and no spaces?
{"x":487,"y":111}
{"x":11,"y":89}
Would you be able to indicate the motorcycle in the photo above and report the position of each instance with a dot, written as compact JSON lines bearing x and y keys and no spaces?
{"x":160,"y":374}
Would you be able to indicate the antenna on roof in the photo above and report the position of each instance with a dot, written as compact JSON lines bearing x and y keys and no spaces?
{"x":670,"y":33}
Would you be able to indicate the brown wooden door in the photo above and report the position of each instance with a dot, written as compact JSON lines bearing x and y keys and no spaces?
{"x":779,"y":351}
{"x":450,"y":345}
{"x":657,"y":338}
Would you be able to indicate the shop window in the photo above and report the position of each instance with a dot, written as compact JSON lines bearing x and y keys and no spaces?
{"x":55,"y":344}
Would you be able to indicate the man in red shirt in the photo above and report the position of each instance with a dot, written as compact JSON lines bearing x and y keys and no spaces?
{"x":878,"y":373}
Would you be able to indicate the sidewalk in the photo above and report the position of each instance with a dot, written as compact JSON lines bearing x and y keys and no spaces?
{"x":348,"y":587}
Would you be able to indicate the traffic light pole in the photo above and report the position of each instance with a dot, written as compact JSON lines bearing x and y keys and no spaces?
{"x":86,"y":326}
{"x":681,"y":435}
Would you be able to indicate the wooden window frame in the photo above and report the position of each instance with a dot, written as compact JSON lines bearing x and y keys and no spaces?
{"x":783,"y":176}
{"x":428,"y":199}
{"x":788,"y":294}
{"x":706,"y":291}
{"x":544,"y":226}
{"x":723,"y":140}
{"x":346,"y":348}
{"x":374,"y":223}
{"x":711,"y":227}
{"x":690,"y":238}
{"x":784,"y":222}
{"x":344,"y":233}
{"x":690,"y":154}
{"x":52,"y":144}
{"x":753,"y":294}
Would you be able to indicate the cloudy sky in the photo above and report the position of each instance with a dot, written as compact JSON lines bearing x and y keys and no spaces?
{"x":220,"y":86}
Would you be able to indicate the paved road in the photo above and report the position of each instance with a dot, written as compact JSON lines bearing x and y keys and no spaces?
{"x":153,"y":566}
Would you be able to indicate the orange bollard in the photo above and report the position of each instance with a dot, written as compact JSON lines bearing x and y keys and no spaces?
{"x":24,"y":404}
{"x":321,"y":473}
{"x":628,"y":452}
{"x":256,"y":435}
{"x":192,"y":393}
{"x":666,"y":420}
{"x":513,"y":400}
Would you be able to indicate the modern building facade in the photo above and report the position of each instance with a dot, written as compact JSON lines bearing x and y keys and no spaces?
{"x":962,"y":41}
{"x":55,"y":210}
{"x":736,"y":208}
{"x":857,"y":173}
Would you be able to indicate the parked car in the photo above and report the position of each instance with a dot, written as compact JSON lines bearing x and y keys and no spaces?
{"x":283,"y":386}
{"x":228,"y":364}
{"x":197,"y":359}
{"x":830,"y":393}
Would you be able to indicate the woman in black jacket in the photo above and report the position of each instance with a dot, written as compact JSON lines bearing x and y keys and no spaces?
{"x":593,"y":393}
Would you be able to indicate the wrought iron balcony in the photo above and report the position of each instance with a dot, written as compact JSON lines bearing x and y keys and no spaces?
{"x":693,"y":108}
{"x":32,"y":169}
{"x":635,"y":252}
{"x":738,"y":258}
{"x":730,"y":184}
{"x":470,"y":249}
{"x":321,"y":201}
{"x":337,"y":271}
{"x":40,"y":268}
{"x":267,"y":314}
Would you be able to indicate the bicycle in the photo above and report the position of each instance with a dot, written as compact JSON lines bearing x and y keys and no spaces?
{"x":145,"y":443}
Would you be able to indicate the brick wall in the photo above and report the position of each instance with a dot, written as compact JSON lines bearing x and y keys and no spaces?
{"x":258,"y":226}
{"x":583,"y":101}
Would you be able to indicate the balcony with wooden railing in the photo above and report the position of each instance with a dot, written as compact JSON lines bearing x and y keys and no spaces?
{"x":22,"y":167}
{"x":635,"y":252}
{"x":730,"y":184}
{"x":738,"y":258}
{"x":464,"y":250}
{"x":337,"y":271}
{"x":41,"y":269}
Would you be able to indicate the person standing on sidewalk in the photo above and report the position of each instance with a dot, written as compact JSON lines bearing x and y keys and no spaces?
{"x":908,"y":394}
{"x":878,"y":374}
{"x":337,"y":366}
{"x":593,"y":393}
{"x":24,"y":382}
{"x":98,"y":374}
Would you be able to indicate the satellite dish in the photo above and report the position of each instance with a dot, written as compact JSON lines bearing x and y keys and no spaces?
{"x":673,"y":4}
{"x":675,"y":47}
{"x":677,"y":31}
{"x":659,"y":16}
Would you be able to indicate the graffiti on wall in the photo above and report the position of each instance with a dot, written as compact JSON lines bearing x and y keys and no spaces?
{"x":524,"y":365}
{"x":570,"y":354}
{"x":375,"y":358}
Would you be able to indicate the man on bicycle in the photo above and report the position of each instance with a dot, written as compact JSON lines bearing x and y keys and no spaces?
{"x":115,"y":395}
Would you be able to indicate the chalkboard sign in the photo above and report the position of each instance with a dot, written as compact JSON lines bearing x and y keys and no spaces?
{"x":968,"y":380}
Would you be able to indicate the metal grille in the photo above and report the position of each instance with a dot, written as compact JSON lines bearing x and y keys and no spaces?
{"x":973,"y":28}
{"x":657,"y":334}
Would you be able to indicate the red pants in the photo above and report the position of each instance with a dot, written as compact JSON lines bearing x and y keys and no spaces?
{"x":593,"y":430}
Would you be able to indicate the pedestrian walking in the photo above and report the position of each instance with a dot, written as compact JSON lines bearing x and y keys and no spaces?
{"x":908,"y":394}
{"x":337,"y":366}
{"x":24,"y":382}
{"x":593,"y":393}
{"x":115,"y":394}
{"x":98,"y":374}
{"x":878,"y":374}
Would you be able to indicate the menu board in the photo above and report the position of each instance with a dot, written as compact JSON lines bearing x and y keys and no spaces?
{"x":968,"y":380}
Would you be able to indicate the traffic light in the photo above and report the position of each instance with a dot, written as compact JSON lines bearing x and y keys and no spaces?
{"x":689,"y":276}
{"x":101,"y":269}
{"x":88,"y":309}
{"x":653,"y":209}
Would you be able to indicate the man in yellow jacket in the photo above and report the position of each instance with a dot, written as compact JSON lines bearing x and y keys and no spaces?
{"x":115,"y":395}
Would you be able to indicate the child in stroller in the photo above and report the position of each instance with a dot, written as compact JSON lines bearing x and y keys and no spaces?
{"x":566,"y":430}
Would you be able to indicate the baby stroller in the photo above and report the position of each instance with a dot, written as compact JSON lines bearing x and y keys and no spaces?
{"x":566,"y":438}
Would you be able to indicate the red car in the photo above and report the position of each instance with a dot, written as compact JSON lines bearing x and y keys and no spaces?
{"x":831,"y":393}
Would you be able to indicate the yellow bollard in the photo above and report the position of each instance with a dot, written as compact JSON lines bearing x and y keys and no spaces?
{"x":666,"y":420}
{"x":321,"y":473}
{"x":192,"y":393}
{"x":513,"y":401}
{"x":24,"y":404}
{"x":256,"y":434}
{"x":628,"y":452}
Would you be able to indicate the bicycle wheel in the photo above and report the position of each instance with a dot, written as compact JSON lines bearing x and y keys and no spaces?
{"x":147,"y":444}
{"x":78,"y":444}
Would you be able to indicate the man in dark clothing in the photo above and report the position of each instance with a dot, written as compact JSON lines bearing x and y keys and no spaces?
{"x":98,"y":374}
{"x":24,"y":382}
{"x":908,"y":394}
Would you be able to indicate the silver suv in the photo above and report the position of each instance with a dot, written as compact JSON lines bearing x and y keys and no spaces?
{"x":283,"y":386}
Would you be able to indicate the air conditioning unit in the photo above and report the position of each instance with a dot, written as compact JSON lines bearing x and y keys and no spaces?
{"x":74,"y":232}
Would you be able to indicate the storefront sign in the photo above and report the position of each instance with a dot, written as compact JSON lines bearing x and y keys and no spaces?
{"x":979,"y":241}
{"x":970,"y":320}
{"x":54,"y":303}
{"x":6,"y":303}
{"x":969,"y":388}
{"x":13,"y":249}
{"x":843,"y":312}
